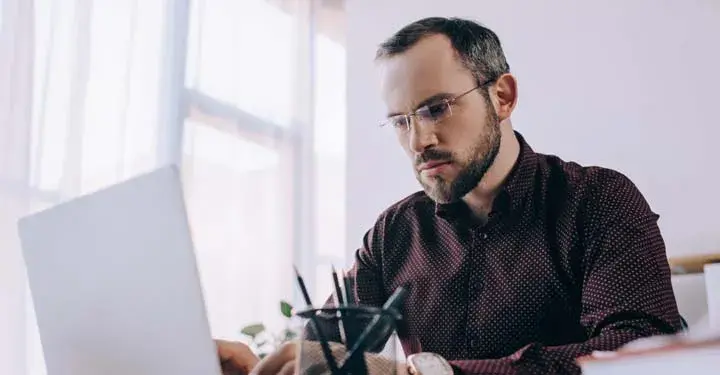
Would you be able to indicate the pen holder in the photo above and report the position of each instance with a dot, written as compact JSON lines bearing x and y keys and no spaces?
{"x":350,"y":340}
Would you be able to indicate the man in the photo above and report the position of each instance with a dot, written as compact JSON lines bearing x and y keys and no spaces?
{"x":518,"y":262}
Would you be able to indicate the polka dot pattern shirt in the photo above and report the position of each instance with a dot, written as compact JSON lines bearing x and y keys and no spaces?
{"x":570,"y":261}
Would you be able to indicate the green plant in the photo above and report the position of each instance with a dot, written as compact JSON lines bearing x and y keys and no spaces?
{"x":264,"y":342}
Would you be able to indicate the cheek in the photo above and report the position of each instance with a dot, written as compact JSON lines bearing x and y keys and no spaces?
{"x":459,"y":133}
{"x":463,"y":145}
{"x":404,"y":141}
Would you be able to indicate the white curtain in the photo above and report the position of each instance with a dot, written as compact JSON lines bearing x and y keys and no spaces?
{"x":16,"y":56}
{"x":248,"y":96}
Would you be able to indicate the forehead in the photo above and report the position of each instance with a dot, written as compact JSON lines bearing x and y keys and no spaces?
{"x":428,"y":68}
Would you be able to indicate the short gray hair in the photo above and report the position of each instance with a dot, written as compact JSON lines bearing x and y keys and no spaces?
{"x":478,"y":47}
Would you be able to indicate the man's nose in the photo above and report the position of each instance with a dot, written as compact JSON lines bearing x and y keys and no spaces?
{"x":421,"y":137}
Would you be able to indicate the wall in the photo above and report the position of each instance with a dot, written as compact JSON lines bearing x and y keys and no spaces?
{"x":629,"y":85}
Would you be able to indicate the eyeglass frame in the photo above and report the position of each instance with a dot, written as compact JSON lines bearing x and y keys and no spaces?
{"x":448,"y":102}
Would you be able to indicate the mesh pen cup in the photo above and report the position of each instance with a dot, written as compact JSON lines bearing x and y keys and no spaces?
{"x":349,"y":340}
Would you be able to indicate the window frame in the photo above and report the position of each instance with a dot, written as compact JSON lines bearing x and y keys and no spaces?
{"x":295,"y":143}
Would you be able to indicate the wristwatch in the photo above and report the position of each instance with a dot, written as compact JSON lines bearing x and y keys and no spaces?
{"x":428,"y":364}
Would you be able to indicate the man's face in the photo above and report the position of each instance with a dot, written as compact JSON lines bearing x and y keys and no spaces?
{"x":451,"y":156}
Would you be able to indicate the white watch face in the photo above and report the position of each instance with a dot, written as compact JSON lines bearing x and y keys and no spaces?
{"x":429,"y":364}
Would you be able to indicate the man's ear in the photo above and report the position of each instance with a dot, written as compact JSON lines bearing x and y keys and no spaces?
{"x":506,"y":95}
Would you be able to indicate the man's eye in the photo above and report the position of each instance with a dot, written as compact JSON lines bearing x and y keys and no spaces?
{"x":436,"y":111}
{"x":400,"y":122}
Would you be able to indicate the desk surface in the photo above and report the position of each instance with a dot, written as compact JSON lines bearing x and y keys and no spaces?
{"x":692,"y":264}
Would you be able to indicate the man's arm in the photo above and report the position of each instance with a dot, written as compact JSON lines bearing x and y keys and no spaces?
{"x":626,"y":295}
{"x":365,"y":279}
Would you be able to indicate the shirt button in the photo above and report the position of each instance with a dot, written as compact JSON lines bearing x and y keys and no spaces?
{"x":474,"y":344}
{"x":483,"y":236}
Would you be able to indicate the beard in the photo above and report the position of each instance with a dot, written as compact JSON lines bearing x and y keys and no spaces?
{"x":481,"y":157}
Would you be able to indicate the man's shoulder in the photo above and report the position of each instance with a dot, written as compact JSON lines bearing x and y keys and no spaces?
{"x":598,"y":188}
{"x":577,"y":175}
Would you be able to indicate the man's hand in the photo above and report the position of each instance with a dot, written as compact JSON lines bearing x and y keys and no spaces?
{"x":282,"y":362}
{"x":285,"y":361}
{"x":236,"y":358}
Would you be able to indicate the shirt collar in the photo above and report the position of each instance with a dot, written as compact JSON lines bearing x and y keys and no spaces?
{"x":511,"y":197}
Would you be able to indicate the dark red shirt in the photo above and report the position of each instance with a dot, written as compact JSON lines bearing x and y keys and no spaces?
{"x":570,"y":261}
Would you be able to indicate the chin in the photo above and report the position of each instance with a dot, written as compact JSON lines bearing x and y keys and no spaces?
{"x":438,"y":191}
{"x":440,"y":197}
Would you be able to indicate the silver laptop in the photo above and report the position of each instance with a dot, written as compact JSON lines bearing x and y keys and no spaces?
{"x":115,"y":284}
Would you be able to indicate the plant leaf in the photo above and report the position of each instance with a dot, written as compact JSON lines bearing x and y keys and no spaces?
{"x":253,"y":330}
{"x":286,"y":309}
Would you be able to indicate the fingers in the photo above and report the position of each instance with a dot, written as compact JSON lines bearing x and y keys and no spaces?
{"x":276,"y":362}
{"x":236,"y":357}
{"x":288,"y":369}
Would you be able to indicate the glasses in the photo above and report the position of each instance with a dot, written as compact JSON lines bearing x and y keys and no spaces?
{"x":429,"y":114}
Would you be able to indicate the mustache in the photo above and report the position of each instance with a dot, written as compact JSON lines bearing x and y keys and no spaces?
{"x":433,"y":155}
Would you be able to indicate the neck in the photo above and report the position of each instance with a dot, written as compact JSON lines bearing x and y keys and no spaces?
{"x":480,"y":199}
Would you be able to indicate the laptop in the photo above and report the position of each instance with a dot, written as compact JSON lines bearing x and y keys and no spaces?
{"x":115,"y":285}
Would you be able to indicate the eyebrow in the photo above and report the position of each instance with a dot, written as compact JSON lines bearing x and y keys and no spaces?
{"x":426,"y":101}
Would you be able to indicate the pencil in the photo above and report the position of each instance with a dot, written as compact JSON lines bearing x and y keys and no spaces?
{"x":340,"y":304}
{"x":303,"y":289}
{"x":352,"y":326}
{"x":349,"y":296}
{"x":338,"y":291}
{"x":316,"y":326}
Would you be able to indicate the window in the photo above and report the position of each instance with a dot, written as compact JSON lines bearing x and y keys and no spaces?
{"x":264,"y":153}
{"x":261,"y":141}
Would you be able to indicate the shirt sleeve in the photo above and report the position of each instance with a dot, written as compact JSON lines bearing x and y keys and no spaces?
{"x":366,"y":272}
{"x":626,"y":294}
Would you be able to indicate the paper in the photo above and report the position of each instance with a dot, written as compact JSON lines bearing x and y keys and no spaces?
{"x":712,"y":286}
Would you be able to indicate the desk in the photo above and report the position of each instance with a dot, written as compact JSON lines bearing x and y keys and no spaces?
{"x":691,"y":264}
